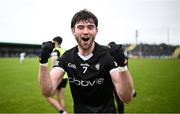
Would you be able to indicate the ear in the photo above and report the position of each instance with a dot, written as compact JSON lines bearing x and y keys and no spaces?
{"x":73,"y":31}
{"x":96,"y":30}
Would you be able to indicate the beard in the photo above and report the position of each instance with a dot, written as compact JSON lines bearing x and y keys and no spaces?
{"x":85,"y":43}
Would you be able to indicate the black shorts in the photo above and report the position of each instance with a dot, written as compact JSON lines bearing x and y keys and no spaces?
{"x":62,"y":84}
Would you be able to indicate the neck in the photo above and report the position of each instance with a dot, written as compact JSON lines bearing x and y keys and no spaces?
{"x":56,"y":46}
{"x":87,"y":51}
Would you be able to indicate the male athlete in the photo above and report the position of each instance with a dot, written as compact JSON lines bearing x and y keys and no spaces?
{"x":22,"y":57}
{"x":91,"y":70}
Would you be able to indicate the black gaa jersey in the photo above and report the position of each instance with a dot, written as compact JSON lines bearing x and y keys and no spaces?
{"x":90,"y":81}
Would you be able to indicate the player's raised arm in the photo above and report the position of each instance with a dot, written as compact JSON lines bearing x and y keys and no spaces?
{"x":123,"y":83}
{"x":48,"y":80}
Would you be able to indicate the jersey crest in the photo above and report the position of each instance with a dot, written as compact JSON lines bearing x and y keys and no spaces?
{"x":97,"y":66}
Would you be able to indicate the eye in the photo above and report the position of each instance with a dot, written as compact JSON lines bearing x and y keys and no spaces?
{"x":80,"y":27}
{"x":91,"y":27}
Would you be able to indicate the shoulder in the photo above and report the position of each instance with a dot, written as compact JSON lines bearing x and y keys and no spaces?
{"x":56,"y":50}
{"x":70,"y":52}
{"x":63,"y":49}
{"x":101,"y":48}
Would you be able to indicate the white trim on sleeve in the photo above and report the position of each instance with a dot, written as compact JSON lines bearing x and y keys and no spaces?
{"x":114,"y":69}
{"x":122,"y":69}
{"x":60,"y":68}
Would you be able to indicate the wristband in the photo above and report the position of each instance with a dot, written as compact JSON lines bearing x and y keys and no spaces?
{"x":122,"y":69}
{"x":44,"y":64}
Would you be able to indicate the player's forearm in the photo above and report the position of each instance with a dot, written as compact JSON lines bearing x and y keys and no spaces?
{"x":45,"y":81}
{"x":126,"y":90}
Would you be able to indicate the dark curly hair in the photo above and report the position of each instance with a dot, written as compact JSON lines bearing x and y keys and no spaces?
{"x":84,"y":15}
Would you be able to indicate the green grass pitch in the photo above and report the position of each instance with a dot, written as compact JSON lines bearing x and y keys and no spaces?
{"x":157,"y":82}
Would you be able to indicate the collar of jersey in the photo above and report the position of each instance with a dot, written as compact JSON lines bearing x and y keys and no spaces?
{"x":85,"y":57}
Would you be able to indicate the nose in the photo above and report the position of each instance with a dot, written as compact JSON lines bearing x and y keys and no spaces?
{"x":85,"y":30}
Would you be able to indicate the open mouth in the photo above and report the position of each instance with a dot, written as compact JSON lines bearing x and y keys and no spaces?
{"x":85,"y":39}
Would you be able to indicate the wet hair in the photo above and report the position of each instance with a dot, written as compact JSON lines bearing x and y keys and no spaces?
{"x":57,"y":39}
{"x":84,"y":15}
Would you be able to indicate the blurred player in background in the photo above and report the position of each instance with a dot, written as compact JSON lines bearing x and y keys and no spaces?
{"x":92,"y":72}
{"x":22,"y":57}
{"x":117,"y":52}
{"x":59,"y":102}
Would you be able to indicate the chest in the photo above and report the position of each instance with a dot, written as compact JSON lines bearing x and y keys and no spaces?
{"x":93,"y":72}
{"x":86,"y":70}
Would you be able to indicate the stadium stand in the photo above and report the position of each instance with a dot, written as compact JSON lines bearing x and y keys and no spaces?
{"x":14,"y":49}
{"x":176,"y":53}
{"x":131,"y":50}
{"x":153,"y":51}
{"x":131,"y":47}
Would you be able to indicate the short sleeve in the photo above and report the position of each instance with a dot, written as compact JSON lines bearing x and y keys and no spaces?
{"x":111,"y":63}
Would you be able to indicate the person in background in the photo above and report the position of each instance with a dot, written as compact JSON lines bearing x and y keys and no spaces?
{"x":58,"y":102}
{"x":22,"y":57}
{"x":92,"y":71}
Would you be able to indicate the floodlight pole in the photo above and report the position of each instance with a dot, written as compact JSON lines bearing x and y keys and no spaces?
{"x":168,"y":38}
{"x":137,"y":43}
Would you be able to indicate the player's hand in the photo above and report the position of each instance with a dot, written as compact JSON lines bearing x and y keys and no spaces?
{"x":46,"y":50}
{"x":117,"y":52}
